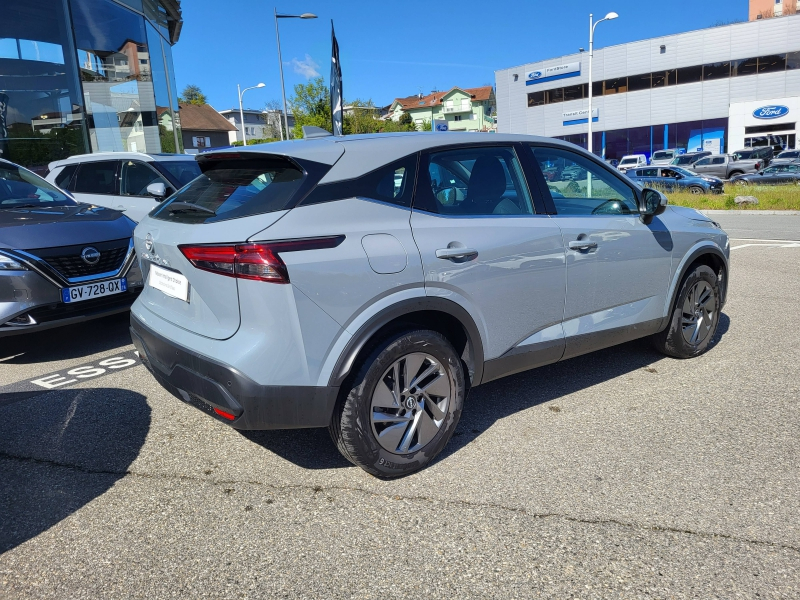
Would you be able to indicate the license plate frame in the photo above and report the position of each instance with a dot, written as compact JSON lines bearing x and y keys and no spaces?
{"x":90,"y":291}
{"x":170,"y":283}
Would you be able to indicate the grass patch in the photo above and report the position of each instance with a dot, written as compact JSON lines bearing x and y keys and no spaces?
{"x":770,"y":197}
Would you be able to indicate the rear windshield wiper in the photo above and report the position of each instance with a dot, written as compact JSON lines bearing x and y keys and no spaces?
{"x":189,"y":207}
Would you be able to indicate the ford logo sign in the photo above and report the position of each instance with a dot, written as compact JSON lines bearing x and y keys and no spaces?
{"x":441,"y":128}
{"x":91,"y":256}
{"x":534,"y":74}
{"x":771,"y":112}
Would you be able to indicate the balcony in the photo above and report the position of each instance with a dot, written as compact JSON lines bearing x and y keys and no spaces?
{"x":462,"y":107}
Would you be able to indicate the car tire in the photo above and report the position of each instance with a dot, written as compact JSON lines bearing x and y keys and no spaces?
{"x":694,"y":317}
{"x":735,"y":173}
{"x":696,"y":189}
{"x":387,"y":425}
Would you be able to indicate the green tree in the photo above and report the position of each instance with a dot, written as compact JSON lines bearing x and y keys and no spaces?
{"x":427,"y":125}
{"x":192,"y":94}
{"x":311,"y":105}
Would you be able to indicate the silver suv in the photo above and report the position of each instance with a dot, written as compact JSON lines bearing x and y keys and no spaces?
{"x":366,"y":283}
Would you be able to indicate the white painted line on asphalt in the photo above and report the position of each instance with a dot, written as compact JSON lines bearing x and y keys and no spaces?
{"x":790,"y":245}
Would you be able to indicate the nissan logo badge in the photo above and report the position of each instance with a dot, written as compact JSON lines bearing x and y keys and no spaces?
{"x":148,"y":243}
{"x":91,"y":256}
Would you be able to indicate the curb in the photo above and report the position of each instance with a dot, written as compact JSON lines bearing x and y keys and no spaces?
{"x":734,"y":211}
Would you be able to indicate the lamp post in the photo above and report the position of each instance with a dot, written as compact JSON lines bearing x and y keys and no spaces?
{"x":592,"y":25}
{"x":241,"y":110}
{"x":280,"y":61}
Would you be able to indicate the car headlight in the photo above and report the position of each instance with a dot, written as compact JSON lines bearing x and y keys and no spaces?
{"x":8,"y":263}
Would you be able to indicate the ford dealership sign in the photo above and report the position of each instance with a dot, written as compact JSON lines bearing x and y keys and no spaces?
{"x":552,"y":73}
{"x":774,"y":111}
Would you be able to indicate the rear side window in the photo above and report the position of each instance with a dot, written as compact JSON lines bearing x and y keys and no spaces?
{"x":392,"y":183}
{"x":240,"y":185}
{"x":63,"y":179}
{"x":96,"y":178}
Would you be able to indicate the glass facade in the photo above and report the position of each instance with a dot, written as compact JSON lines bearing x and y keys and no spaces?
{"x":689,"y":136}
{"x":81,"y":76}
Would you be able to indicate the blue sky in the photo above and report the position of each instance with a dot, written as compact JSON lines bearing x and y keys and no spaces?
{"x":390,"y":50}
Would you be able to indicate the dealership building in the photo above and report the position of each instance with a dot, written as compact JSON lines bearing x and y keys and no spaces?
{"x":720,"y":89}
{"x":81,"y":76}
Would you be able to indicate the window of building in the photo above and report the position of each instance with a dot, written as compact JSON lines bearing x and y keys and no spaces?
{"x":770,"y":128}
{"x":615,"y":86}
{"x":793,"y":60}
{"x":717,"y":70}
{"x":774,"y":63}
{"x":639,"y":82}
{"x":745,"y":66}
{"x":663,"y":78}
{"x":536,"y":99}
{"x":573,"y":92}
{"x":96,"y":178}
{"x":553,"y":96}
{"x":474,"y":181}
{"x":457,"y":118}
{"x":690,"y":75}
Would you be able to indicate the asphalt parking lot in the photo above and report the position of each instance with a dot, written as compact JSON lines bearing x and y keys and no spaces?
{"x":617,"y":474}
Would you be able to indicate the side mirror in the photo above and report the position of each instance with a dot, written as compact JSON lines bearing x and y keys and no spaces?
{"x":651,"y":204}
{"x":157,"y":190}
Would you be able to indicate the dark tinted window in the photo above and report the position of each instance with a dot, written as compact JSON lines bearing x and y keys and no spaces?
{"x":473,"y":181}
{"x":536,"y":99}
{"x":745,"y":66}
{"x":579,"y":186}
{"x":789,"y":154}
{"x":639,"y":82}
{"x":96,"y":178}
{"x":717,"y":70}
{"x":63,"y":179}
{"x":793,"y":60}
{"x":615,"y":86}
{"x":553,"y":96}
{"x":136,"y":176}
{"x":19,"y":188}
{"x":234,"y":186}
{"x":663,"y":78}
{"x":573,"y":92}
{"x":597,"y":88}
{"x":392,"y":183}
{"x":718,"y":160}
{"x":772,"y":64}
{"x":647,"y":172}
{"x":690,"y":74}
{"x":180,"y":171}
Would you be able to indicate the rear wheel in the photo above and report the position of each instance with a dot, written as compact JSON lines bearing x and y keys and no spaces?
{"x":403,"y":405}
{"x":694,"y":317}
{"x":735,"y":173}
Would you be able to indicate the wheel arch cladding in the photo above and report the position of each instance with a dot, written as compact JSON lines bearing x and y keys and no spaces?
{"x":712,"y":257}
{"x":436,"y":314}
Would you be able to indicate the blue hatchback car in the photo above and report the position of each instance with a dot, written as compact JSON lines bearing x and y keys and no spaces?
{"x":674,"y":178}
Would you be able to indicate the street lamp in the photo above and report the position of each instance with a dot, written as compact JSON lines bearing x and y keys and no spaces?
{"x":280,"y":61}
{"x":241,"y":110}
{"x":608,"y":17}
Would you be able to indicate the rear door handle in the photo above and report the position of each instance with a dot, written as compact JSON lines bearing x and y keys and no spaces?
{"x":582,"y":245}
{"x":455,"y":253}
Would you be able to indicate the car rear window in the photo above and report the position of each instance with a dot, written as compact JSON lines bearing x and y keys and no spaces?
{"x":629,"y":161}
{"x":662,"y":155}
{"x":232,"y":186}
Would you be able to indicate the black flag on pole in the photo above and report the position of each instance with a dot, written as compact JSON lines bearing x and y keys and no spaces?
{"x":336,"y":85}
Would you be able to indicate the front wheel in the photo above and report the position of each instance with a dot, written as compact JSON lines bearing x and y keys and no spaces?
{"x":696,"y":190}
{"x":694,"y":317}
{"x":402,"y":406}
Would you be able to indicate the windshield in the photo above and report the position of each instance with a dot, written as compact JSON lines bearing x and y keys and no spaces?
{"x":233,"y":186}
{"x":629,"y":161}
{"x":20,"y":188}
{"x":742,"y":154}
{"x":180,"y":171}
{"x":684,"y":172}
{"x":789,"y":154}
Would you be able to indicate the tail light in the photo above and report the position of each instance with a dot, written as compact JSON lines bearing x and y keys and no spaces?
{"x":758,"y":166}
{"x":260,"y":262}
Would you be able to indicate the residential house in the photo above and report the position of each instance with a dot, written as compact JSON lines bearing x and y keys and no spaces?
{"x":203,"y":127}
{"x":258,"y":124}
{"x":464,"y":109}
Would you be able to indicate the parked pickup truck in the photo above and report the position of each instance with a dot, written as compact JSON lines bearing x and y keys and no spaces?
{"x":726,"y":166}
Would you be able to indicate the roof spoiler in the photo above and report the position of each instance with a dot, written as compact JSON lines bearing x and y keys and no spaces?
{"x":310,"y":132}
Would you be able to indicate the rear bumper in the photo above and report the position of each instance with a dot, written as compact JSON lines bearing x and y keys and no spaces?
{"x":208,"y":384}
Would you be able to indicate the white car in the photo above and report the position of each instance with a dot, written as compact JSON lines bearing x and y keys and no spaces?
{"x":132,"y":182}
{"x":664,"y":157}
{"x":632,"y":161}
